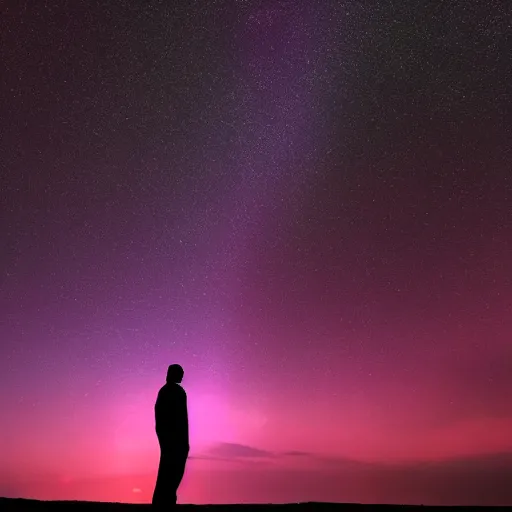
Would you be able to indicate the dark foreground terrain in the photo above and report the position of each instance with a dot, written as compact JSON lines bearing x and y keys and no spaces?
{"x":18,"y":505}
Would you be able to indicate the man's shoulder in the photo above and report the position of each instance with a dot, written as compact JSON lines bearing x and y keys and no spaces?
{"x":179,"y":389}
{"x":173,"y":389}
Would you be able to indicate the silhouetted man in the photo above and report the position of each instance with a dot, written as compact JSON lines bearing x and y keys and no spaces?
{"x":171,"y":418}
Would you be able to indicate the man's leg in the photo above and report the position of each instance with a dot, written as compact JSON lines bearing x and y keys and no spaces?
{"x":179,"y":464}
{"x":164,"y":494}
{"x":159,"y":484}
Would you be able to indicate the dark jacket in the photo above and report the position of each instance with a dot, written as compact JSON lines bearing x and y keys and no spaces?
{"x":171,"y":416}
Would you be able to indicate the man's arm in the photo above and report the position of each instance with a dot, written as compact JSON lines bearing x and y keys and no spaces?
{"x":185,"y":419}
{"x":158,"y":411}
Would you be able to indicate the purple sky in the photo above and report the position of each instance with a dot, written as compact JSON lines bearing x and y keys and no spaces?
{"x":306,"y":204}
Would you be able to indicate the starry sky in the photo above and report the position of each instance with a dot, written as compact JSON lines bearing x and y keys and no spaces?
{"x":305,"y":203}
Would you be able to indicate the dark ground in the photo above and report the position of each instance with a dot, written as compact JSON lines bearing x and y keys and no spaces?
{"x":8,"y":505}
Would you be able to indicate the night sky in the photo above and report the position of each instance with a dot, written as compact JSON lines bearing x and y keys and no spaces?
{"x":307,"y":204}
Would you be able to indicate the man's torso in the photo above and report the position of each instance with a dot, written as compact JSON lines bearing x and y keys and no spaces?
{"x":171,"y":417}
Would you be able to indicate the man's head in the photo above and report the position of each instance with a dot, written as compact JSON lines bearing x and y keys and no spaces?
{"x":175,"y":373}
